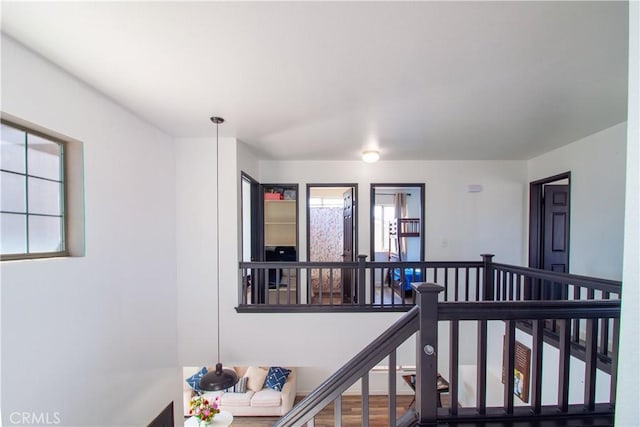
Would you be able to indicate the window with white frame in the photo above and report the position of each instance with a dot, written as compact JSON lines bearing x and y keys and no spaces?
{"x":382,"y":216}
{"x":325,"y":202}
{"x":32,"y":206}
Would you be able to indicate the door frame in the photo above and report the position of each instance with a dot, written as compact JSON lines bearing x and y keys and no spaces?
{"x":355,"y":213}
{"x":256,"y":234}
{"x":256,"y":239}
{"x":536,"y":218}
{"x":372,"y":200}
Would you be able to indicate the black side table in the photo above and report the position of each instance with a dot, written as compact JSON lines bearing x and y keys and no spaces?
{"x":441,"y":384}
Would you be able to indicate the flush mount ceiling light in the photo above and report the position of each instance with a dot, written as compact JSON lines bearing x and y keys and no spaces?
{"x":219,"y":379}
{"x":370,"y":156}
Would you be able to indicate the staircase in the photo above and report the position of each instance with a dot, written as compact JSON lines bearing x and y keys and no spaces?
{"x":579,"y":331}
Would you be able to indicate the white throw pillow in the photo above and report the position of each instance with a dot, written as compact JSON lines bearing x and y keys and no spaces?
{"x":256,"y":377}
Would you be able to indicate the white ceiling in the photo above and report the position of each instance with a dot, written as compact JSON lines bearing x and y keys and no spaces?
{"x":324,"y":80}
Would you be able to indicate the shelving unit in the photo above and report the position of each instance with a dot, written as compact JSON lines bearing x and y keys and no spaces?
{"x":280,"y":223}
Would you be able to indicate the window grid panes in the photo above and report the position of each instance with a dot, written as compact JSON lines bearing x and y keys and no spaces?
{"x":382,"y":216}
{"x":32,"y":213}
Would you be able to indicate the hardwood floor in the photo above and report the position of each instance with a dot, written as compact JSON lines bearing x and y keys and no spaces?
{"x":351,"y":413}
{"x":352,"y":416}
{"x":388,"y":295}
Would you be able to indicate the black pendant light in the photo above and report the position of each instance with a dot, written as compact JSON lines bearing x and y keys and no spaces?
{"x":219,"y":379}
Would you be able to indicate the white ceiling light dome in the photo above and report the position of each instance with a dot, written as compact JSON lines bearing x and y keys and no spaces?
{"x":370,"y":156}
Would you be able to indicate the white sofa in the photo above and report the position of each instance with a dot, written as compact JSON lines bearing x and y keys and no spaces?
{"x":255,"y":402}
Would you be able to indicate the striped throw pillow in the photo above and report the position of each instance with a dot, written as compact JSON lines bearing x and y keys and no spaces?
{"x":240,"y":387}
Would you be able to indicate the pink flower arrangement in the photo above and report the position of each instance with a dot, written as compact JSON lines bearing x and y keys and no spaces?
{"x":204,"y":409}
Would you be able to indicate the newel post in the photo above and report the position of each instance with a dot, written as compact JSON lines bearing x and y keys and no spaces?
{"x":427,"y":353}
{"x":487,"y":291}
{"x":362,"y":279}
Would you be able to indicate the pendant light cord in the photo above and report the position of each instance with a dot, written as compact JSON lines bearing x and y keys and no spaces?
{"x":221,"y":379}
{"x":218,"y":227}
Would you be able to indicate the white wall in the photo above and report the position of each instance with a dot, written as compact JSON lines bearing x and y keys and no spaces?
{"x":196,"y":241}
{"x":628,"y":394}
{"x":93,"y":338}
{"x":597,"y":165}
{"x":195,"y":160}
{"x":248,"y":163}
{"x":247,"y":160}
{"x":467,"y":223}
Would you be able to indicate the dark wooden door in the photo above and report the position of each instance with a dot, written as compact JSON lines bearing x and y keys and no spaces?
{"x":347,"y":246}
{"x":555,"y":242}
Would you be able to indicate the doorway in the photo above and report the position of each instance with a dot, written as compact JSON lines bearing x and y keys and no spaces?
{"x":331,"y":237}
{"x":549,"y":228}
{"x":250,"y":224}
{"x":251,"y":248}
{"x":397,"y":235}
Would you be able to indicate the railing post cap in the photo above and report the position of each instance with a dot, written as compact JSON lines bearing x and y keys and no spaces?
{"x":487,"y":255}
{"x":362,"y":256}
{"x":425,"y":287}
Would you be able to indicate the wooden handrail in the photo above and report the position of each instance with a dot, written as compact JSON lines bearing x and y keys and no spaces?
{"x":468,"y":281}
{"x":605,"y":285}
{"x":529,"y":310}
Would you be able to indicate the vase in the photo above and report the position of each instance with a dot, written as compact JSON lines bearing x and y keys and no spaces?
{"x":204,"y":423}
